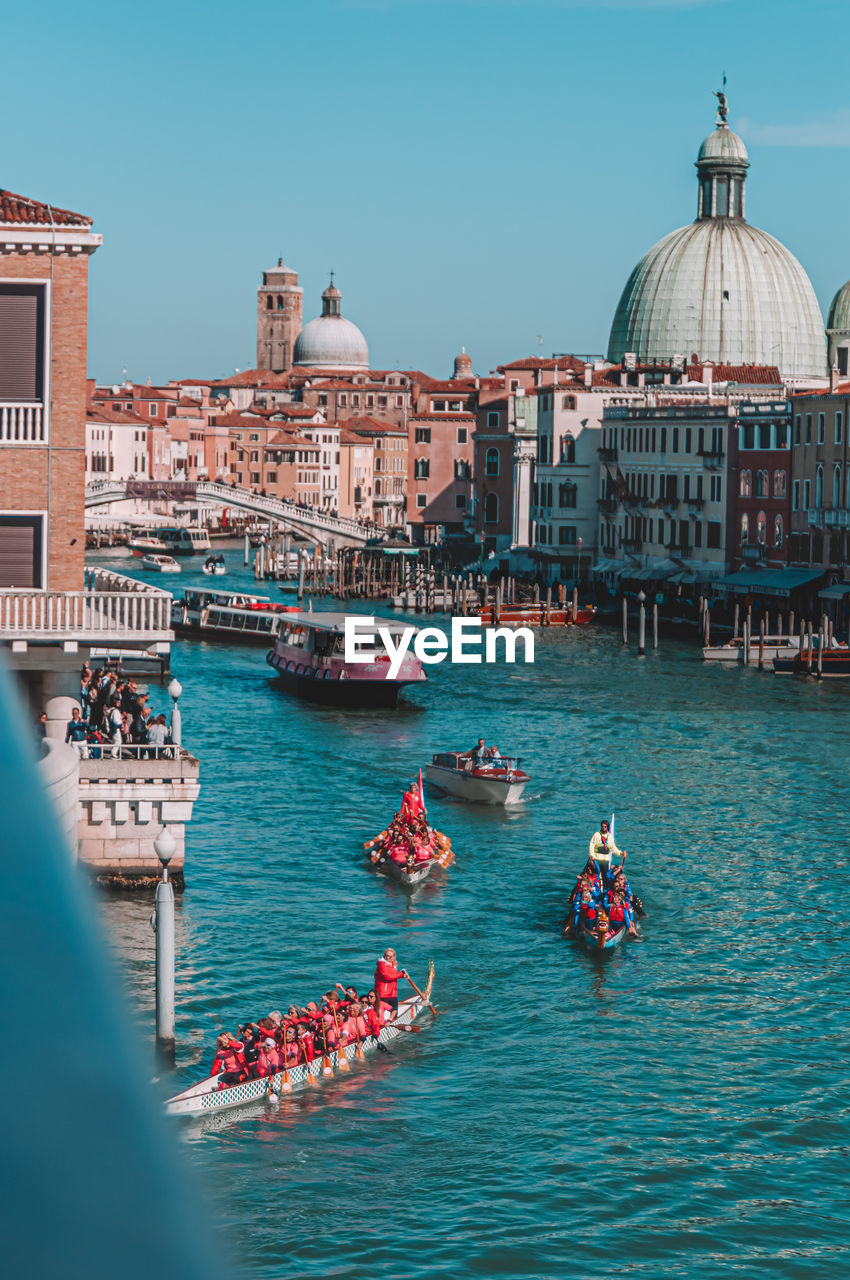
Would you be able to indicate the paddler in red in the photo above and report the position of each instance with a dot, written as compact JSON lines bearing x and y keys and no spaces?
{"x":386,"y":979}
{"x":411,"y":805}
{"x":371,"y":1014}
{"x":233,"y":1062}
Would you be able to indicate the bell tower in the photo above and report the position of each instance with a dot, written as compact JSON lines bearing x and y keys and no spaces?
{"x":279,"y":313}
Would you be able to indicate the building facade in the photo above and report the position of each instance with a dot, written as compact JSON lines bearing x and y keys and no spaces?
{"x":819,"y":479}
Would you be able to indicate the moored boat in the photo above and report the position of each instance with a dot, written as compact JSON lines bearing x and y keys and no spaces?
{"x":210,"y":1095}
{"x":732,"y":652}
{"x":535,"y":615}
{"x":830,"y":664}
{"x":160,"y":564}
{"x":499,"y":783}
{"x":309,"y":658}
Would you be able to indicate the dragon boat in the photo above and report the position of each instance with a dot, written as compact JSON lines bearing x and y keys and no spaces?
{"x":602,"y":937}
{"x":410,"y":872}
{"x":209,"y":1095}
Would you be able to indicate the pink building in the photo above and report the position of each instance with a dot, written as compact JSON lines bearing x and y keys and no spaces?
{"x":439,"y":473}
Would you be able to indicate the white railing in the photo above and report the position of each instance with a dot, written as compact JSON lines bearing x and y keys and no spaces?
{"x":114,"y":607}
{"x":106,"y":749}
{"x":100,"y":492}
{"x":22,"y":422}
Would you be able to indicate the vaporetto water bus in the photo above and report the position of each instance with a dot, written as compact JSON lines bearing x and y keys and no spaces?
{"x":229,"y":615}
{"x":309,"y":658}
{"x":209,"y":1095}
{"x":456,"y":774}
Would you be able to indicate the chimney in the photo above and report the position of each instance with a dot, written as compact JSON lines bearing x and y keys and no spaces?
{"x":708,"y":374}
{"x":588,"y":375}
{"x":555,"y":376}
{"x":833,"y":377}
{"x":630,"y":361}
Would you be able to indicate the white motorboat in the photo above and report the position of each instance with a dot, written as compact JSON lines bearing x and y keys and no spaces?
{"x":456,"y":774}
{"x":145,"y":545}
{"x":160,"y":564}
{"x":214,"y":565}
{"x":732,"y":652}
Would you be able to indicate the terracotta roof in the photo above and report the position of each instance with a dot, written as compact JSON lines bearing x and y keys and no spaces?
{"x":372,"y":426}
{"x":253,"y":378}
{"x":21,"y":209}
{"x":755,"y":374}
{"x":540,"y":362}
{"x":245,"y":422}
{"x":840,"y":389}
{"x":291,"y":438}
{"x":100,"y":413}
{"x":459,"y":386}
{"x":347,"y":436}
{"x":186,"y":402}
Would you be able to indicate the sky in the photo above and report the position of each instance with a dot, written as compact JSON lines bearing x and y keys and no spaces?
{"x":478,"y":173}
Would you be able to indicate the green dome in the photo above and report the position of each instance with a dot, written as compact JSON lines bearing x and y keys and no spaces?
{"x":839,"y":311}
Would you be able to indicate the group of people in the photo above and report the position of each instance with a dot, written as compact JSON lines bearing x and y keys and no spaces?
{"x":112,"y":715}
{"x":602,"y":897}
{"x":278,"y":1042}
{"x":408,"y":841}
{"x":482,"y":757}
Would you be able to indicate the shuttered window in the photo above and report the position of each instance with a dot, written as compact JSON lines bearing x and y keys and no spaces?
{"x":21,"y":342}
{"x":20,"y":551}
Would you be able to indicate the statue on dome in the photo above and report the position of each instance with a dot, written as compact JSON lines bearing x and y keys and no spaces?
{"x":722,"y":104}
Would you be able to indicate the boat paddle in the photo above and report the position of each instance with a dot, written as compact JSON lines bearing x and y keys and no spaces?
{"x":421,"y":996}
{"x":285,"y":1081}
{"x":309,"y":1079}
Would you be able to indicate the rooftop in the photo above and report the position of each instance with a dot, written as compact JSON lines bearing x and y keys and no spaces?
{"x":21,"y":209}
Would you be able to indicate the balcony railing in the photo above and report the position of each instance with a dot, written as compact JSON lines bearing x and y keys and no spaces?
{"x":111,"y":608}
{"x":607,"y":504}
{"x":711,"y":458}
{"x":695,"y":505}
{"x":632,"y":544}
{"x":828,"y":518}
{"x":22,"y":422}
{"x":607,"y":454}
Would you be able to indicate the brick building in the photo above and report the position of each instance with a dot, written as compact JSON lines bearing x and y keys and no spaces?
{"x":280,"y":304}
{"x":820,"y":478}
{"x":44,"y":265}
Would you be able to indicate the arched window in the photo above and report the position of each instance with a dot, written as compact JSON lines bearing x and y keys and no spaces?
{"x":279,"y":303}
{"x":567,"y":495}
{"x":491,"y":508}
{"x":779,"y":482}
{"x":569,"y":402}
{"x":745,"y":529}
{"x":819,"y":488}
{"x":762,"y":490}
{"x":761,"y":529}
{"x":377,"y":488}
{"x":746,"y":483}
{"x":568,"y":449}
{"x":778,"y":532}
{"x":491,"y":466}
{"x":269,"y":302}
{"x":836,"y":486}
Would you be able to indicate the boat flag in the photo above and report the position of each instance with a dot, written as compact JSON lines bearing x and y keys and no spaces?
{"x":611,"y":828}
{"x":421,"y":792}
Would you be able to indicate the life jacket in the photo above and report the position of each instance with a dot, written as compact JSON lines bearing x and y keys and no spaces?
{"x":264,"y":1066}
{"x":289,"y":1054}
{"x":217,"y":1066}
{"x":616,"y":914}
{"x":232,"y":1059}
{"x":373,"y":1022}
{"x":386,"y":980}
{"x":308,"y":1046}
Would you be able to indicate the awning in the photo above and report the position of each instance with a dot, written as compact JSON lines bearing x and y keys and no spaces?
{"x":838,"y":591}
{"x":768,"y":582}
{"x":683,"y":578}
{"x":606,"y":566}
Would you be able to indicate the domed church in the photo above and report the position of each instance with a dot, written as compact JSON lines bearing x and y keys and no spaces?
{"x":721,"y":288}
{"x":330,"y":341}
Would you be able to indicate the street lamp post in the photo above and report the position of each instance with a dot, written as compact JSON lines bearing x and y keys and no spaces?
{"x":175,"y":689}
{"x":162,"y":922}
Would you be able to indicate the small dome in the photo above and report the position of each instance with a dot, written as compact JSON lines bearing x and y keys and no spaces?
{"x":463,"y":365}
{"x":723,"y":147}
{"x":331,"y":342}
{"x":839,"y":311}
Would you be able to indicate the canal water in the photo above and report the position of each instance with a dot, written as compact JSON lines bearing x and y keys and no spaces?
{"x":677,"y":1109}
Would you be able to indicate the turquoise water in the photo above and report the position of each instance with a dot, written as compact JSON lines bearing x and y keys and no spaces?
{"x":676,"y":1109}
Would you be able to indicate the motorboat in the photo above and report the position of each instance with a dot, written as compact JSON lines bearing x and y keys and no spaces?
{"x":160,"y":564}
{"x":732,"y":652}
{"x":309,"y":658}
{"x":535,"y":615}
{"x":832,"y":663}
{"x":214,"y":565}
{"x":501,"y":782}
{"x":141,"y":545}
{"x":183,"y":541}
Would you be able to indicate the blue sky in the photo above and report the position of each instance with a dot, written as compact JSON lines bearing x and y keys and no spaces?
{"x":477,"y":172}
